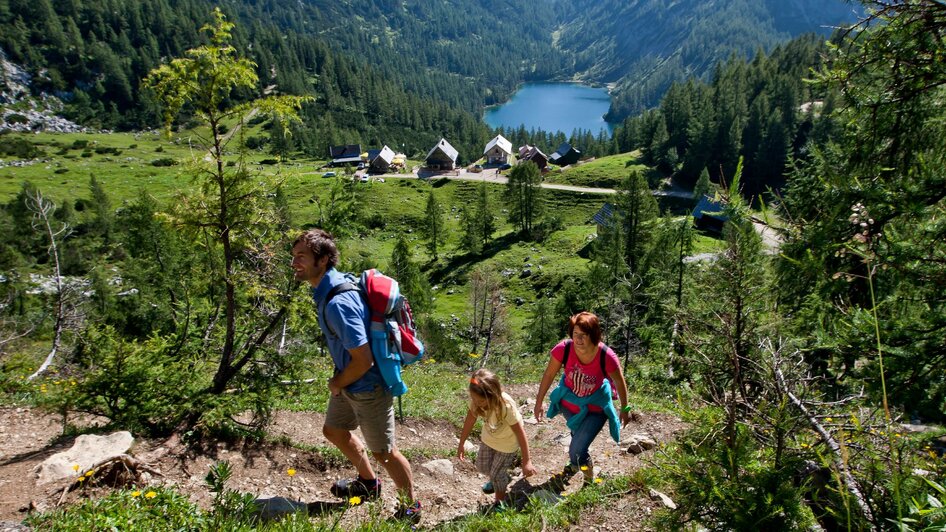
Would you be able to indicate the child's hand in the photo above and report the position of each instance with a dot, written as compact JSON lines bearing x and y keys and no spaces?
{"x":461,"y":455}
{"x":528,"y":469}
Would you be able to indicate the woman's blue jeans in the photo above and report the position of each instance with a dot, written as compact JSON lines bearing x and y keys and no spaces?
{"x":583,"y":436}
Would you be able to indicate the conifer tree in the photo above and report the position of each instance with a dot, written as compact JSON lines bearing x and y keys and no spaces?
{"x":523,"y":196}
{"x":433,"y":228}
{"x":229,"y":208}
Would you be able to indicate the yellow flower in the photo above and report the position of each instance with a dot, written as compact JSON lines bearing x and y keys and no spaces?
{"x":89,"y":472}
{"x":291,"y":472}
{"x":151,"y":495}
{"x":75,"y":467}
{"x":828,"y":419}
{"x":474,"y":355}
{"x":584,"y":468}
{"x":136,"y":493}
{"x":598,"y":480}
{"x":354,"y":501}
{"x":81,"y":479}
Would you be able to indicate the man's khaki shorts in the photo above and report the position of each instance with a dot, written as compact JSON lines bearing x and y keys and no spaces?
{"x":372,"y":411}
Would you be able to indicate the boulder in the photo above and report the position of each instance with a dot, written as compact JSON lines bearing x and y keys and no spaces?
{"x":439,"y":468}
{"x":638,"y":443}
{"x":87,"y":451}
{"x":663,"y":498}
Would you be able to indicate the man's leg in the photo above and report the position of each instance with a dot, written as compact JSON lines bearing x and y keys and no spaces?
{"x":375,"y":413}
{"x":352,"y":448}
{"x":340,"y":420}
{"x":400,"y":470}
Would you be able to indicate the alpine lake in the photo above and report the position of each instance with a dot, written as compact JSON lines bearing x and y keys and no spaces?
{"x":553,"y":107}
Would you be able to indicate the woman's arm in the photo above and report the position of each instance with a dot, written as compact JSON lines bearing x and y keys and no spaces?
{"x":617,"y":377}
{"x":550,"y":371}
{"x":467,"y":427}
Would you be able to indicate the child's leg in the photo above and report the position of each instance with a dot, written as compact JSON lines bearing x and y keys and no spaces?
{"x":499,"y":475}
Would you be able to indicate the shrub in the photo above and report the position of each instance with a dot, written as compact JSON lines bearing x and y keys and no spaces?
{"x":16,"y":118}
{"x":61,"y":170}
{"x":159,"y":149}
{"x":164,"y":161}
{"x":80,"y":144}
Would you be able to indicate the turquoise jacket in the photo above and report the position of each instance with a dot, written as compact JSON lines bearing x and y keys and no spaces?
{"x":601,"y":397}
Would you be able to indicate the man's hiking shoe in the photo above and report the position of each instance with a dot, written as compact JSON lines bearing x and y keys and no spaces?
{"x":410,"y":513}
{"x":559,"y":480}
{"x":356,"y":487}
{"x":488,"y":488}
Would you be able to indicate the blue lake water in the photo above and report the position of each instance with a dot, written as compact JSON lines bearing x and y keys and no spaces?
{"x":553,"y":107}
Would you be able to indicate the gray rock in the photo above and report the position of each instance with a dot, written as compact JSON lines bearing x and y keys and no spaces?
{"x":663,"y":498}
{"x":273,"y":508}
{"x":87,"y":451}
{"x":439,"y":468}
{"x":638,"y":443}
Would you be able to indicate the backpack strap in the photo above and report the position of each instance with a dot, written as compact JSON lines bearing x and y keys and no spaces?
{"x":568,"y":346}
{"x":337,"y":289}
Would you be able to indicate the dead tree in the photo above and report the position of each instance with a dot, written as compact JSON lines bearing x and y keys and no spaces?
{"x":43,"y":210}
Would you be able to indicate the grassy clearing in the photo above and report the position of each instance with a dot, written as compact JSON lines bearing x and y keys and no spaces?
{"x":606,"y":172}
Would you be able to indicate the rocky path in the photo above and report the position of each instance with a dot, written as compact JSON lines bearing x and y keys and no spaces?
{"x":448,"y":488}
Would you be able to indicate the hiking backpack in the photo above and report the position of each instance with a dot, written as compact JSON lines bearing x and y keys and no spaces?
{"x":392,"y":333}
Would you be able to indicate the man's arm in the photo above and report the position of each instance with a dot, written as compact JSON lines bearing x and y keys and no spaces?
{"x":361,"y":362}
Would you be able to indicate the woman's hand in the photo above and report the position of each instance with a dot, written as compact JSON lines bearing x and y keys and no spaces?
{"x":538,"y":412}
{"x":461,"y":452}
{"x":626,"y":417}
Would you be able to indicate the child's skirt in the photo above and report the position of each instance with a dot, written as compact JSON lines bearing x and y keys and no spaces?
{"x":495,"y":465}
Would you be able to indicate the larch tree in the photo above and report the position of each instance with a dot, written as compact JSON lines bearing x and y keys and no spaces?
{"x":229,"y":210}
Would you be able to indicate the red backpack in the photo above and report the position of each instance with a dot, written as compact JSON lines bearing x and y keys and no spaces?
{"x":393,"y":333}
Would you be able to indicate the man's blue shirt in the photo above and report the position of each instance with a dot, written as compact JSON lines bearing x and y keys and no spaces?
{"x":350,"y":320}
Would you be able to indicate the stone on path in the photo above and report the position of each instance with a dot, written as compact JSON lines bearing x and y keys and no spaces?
{"x":277,"y":507}
{"x":638,"y":443}
{"x":87,"y":451}
{"x":441,"y":467}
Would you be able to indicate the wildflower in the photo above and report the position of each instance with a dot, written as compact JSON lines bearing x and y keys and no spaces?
{"x":354,"y":501}
{"x":584,"y":468}
{"x":151,"y":495}
{"x":75,"y":467}
{"x":136,"y":493}
{"x":828,"y":420}
{"x":598,"y":480}
{"x":291,"y":472}
{"x":474,"y":355}
{"x":89,"y":472}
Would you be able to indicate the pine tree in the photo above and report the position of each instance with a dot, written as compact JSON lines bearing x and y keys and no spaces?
{"x":433,"y":228}
{"x":523,"y":196}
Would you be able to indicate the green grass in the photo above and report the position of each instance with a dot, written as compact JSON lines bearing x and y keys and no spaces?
{"x":605,"y":172}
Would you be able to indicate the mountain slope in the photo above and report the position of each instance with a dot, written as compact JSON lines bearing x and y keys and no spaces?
{"x":644,"y":45}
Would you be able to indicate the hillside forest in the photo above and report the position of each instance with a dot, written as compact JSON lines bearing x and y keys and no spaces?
{"x":809,"y":372}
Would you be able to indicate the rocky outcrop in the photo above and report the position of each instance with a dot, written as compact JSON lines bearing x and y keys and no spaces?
{"x":23,"y":112}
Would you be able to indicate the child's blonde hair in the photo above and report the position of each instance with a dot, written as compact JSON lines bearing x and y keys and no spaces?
{"x":484,"y":383}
